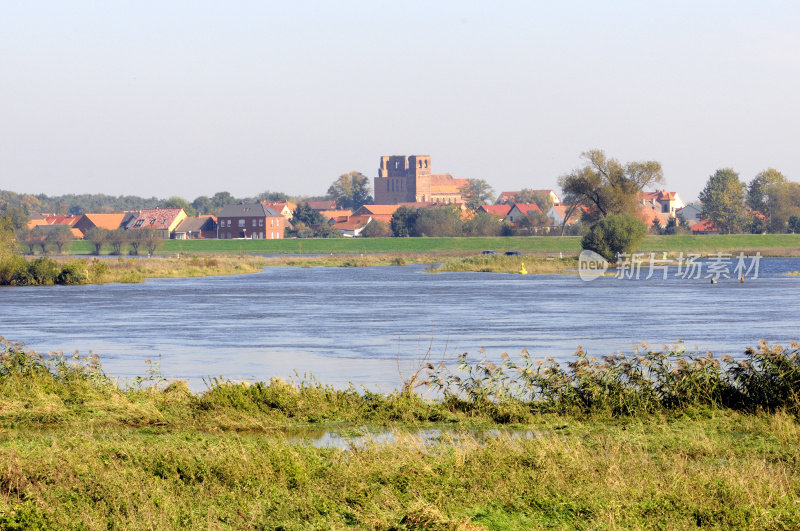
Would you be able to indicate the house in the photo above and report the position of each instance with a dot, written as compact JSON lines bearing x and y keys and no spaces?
{"x":250,"y":220}
{"x":558,"y":213}
{"x":90,"y":221}
{"x":499,"y":211}
{"x":53,"y":219}
{"x":336,"y":215}
{"x":352,"y":227}
{"x":520,"y":211}
{"x":204,"y":226}
{"x":284,"y":208}
{"x":511,"y":197}
{"x":408,"y":179}
{"x":652,"y":215}
{"x":163,"y":220}
{"x":668,"y":202}
{"x":705,"y":226}
{"x":379,"y":212}
{"x":691,"y":213}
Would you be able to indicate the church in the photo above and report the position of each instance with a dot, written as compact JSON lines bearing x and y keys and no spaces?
{"x":408,"y":179}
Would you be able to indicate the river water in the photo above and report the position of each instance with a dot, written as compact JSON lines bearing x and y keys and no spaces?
{"x":369,"y":325}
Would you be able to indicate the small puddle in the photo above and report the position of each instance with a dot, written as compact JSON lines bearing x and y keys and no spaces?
{"x":364,"y":436}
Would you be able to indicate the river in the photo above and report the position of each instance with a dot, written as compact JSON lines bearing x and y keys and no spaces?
{"x":367,"y":326}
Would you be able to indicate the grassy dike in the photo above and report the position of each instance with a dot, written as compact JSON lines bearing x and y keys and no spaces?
{"x":768,"y":244}
{"x":77,"y":451}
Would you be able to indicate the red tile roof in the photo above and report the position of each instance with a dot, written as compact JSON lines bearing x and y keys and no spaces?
{"x":157,"y":218}
{"x":497,"y":210}
{"x":704,"y":226}
{"x":526,"y":207}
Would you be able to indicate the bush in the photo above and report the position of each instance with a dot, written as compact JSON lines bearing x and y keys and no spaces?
{"x":73,"y":273}
{"x":613,"y":235}
{"x":43,"y":272}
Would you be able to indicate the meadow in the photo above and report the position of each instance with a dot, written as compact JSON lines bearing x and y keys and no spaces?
{"x":769,"y":244}
{"x":706,"y":443}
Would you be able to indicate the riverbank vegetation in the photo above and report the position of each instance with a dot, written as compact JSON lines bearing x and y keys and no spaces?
{"x":660,"y":439}
{"x":496,"y":263}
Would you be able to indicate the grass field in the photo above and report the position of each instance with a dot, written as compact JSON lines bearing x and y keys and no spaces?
{"x":77,"y":451}
{"x":767,"y":243}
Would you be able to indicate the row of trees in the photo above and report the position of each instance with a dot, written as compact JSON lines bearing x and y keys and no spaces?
{"x":59,"y":238}
{"x":769,"y":203}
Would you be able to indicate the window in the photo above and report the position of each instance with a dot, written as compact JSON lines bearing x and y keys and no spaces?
{"x":229,"y":223}
{"x":260,"y":222}
{"x":138,"y":223}
{"x":241,"y":223}
{"x":271,"y":222}
{"x":260,"y":235}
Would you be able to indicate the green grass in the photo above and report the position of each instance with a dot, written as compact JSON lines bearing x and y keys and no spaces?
{"x":77,"y":451}
{"x":772,"y":243}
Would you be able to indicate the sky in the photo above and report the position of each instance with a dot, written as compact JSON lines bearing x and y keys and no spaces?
{"x":163,"y":98}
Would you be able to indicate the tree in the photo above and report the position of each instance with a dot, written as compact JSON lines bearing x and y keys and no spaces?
{"x":351,"y":191}
{"x":607,"y":186}
{"x":179,"y":202}
{"x":8,"y":240}
{"x":543,"y":201}
{"x":615,"y":234}
{"x":376,"y":229}
{"x":17,"y":215}
{"x":794,"y":224}
{"x":784,"y":202}
{"x":117,"y":238}
{"x":307,"y":215}
{"x":477,"y":192}
{"x":438,"y":222}
{"x":98,"y":237}
{"x":759,"y":188}
{"x":135,"y":238}
{"x":482,"y":224}
{"x":60,"y":236}
{"x":723,"y":201}
{"x":524,"y":196}
{"x":221,"y":199}
{"x":272,"y":196}
{"x":151,"y":240}
{"x":203,"y":204}
{"x":403,"y":221}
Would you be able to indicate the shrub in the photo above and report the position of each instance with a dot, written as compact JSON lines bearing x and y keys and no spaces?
{"x":614,"y":235}
{"x":43,"y":272}
{"x":74,"y":273}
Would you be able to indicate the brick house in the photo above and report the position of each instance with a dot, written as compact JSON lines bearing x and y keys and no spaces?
{"x":250,"y":220}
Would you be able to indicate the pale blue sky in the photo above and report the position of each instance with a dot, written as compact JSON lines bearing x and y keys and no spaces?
{"x":190,"y":98}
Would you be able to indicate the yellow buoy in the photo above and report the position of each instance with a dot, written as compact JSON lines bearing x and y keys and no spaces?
{"x":741,"y":279}
{"x":522,"y":271}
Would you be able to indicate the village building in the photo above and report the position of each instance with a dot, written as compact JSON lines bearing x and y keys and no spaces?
{"x":91,"y":221}
{"x":500,"y":211}
{"x":352,"y":227}
{"x":520,"y":211}
{"x":200,"y":226}
{"x":284,"y":208}
{"x":163,"y":220}
{"x":408,"y":179}
{"x":250,"y":220}
{"x":667,"y":202}
{"x":327,"y":204}
{"x":691,"y":214}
